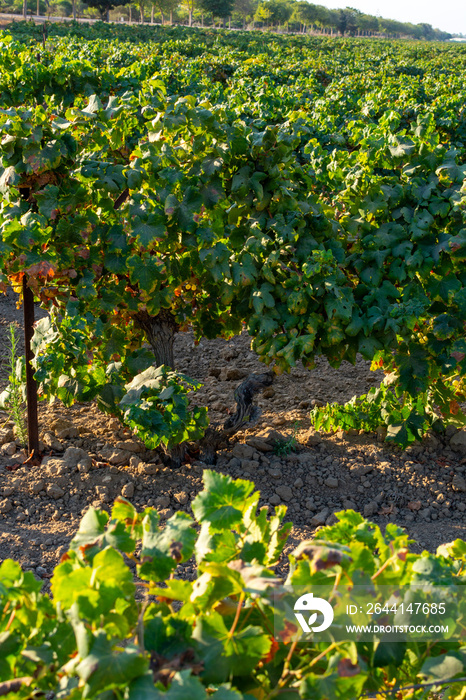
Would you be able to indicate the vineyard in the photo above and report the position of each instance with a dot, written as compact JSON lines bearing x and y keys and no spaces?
{"x":175,"y":199}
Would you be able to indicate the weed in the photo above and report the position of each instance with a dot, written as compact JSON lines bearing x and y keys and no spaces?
{"x":12,"y":399}
{"x":284,"y":447}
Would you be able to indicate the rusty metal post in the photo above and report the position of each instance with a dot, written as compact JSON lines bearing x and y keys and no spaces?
{"x":31,"y":386}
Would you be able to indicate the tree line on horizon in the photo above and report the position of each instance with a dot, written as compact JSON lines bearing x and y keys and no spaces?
{"x":282,"y":15}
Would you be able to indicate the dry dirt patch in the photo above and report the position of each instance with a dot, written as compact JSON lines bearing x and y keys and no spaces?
{"x":90,"y":459}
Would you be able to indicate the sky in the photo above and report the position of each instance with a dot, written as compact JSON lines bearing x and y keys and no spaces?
{"x":448,"y":15}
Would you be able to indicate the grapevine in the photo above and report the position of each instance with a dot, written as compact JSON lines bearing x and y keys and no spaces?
{"x":328,"y":218}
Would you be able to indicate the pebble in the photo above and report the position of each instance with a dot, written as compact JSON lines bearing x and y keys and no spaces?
{"x":52,"y":442}
{"x":119,"y":457}
{"x":459,"y":483}
{"x":148,"y":468}
{"x":6,"y":505}
{"x":331,"y":482}
{"x":166,"y":513}
{"x":6,"y":435}
{"x":312,"y":437}
{"x":370,"y":509}
{"x":363,"y":470}
{"x":83,"y":466}
{"x":232,"y":374}
{"x":272,"y":436}
{"x":103,"y":493}
{"x":284,"y":492}
{"x":162,"y":502}
{"x":134,"y":461}
{"x":71,"y":432}
{"x":37,"y":486}
{"x":320,"y":518}
{"x":9,"y":448}
{"x":128,"y":490}
{"x":130,"y":446}
{"x":54,"y":466}
{"x":275,"y":500}
{"x":259,"y":444}
{"x":55,"y":491}
{"x":234,"y":463}
{"x":74,"y":455}
{"x":229,"y":353}
{"x":61,"y":423}
{"x":249,"y":465}
{"x":242,"y":451}
{"x":458,"y":441}
{"x":181,"y":498}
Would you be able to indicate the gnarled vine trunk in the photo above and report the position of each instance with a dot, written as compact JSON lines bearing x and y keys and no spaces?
{"x":160,"y":332}
{"x":246,"y":414}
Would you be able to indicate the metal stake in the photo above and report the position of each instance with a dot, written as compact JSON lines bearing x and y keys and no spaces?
{"x":31,"y":386}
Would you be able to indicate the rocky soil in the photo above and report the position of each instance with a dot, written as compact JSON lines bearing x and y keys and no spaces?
{"x":89,"y":459}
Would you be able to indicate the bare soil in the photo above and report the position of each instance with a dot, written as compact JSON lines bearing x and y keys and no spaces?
{"x":41,"y":506}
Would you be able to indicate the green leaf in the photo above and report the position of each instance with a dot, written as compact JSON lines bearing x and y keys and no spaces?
{"x":144,"y":271}
{"x":401,"y":150}
{"x":171,"y":205}
{"x":143,"y":688}
{"x":48,"y":201}
{"x":224,"y":655}
{"x":94,"y":536}
{"x":443,"y":289}
{"x":389,"y":654}
{"x":226,"y":693}
{"x":8,"y":178}
{"x":184,"y":686}
{"x":223,"y":501}
{"x":244,"y":272}
{"x":216,"y":583}
{"x":163,"y":550}
{"x":94,"y":105}
{"x":368,"y":347}
{"x":442,"y":667}
{"x":105,"y":667}
{"x":148,"y":232}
